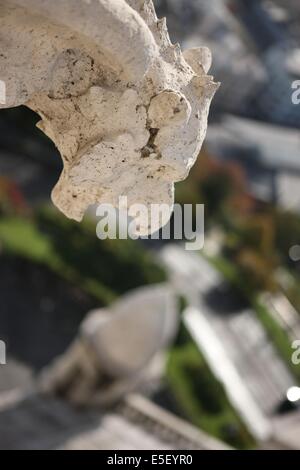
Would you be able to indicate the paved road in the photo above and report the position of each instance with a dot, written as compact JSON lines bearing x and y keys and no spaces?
{"x":253,"y":374}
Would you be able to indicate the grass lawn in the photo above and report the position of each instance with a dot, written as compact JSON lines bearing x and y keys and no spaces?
{"x":104,"y":269}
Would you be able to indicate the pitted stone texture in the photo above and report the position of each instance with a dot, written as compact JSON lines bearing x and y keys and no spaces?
{"x":126,"y":109}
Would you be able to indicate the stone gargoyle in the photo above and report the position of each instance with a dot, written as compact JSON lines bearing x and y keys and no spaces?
{"x":125,"y":107}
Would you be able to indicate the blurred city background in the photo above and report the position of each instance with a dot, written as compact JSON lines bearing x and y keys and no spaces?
{"x":227,"y":377}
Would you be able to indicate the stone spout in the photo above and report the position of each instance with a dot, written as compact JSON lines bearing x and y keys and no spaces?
{"x":125,"y":107}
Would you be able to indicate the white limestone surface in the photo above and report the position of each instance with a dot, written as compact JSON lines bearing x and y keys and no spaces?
{"x":126,"y":108}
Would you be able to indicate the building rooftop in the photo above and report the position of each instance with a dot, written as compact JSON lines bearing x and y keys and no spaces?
{"x":270,"y":146}
{"x":37,"y":422}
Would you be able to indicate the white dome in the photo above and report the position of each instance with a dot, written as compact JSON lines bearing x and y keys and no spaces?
{"x":127,"y":336}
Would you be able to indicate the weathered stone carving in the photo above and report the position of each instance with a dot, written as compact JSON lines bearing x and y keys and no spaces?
{"x":126,"y":109}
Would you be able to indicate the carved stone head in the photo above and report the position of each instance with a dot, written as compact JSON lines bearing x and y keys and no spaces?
{"x":125,"y":107}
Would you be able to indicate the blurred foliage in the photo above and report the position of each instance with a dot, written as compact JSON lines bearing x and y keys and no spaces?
{"x":11,"y":198}
{"x":104,"y":269}
{"x":257,"y":240}
{"x":218,"y":185}
{"x":182,"y":303}
{"x":257,"y":236}
{"x":200,"y":397}
{"x":287,"y":233}
{"x":292,"y":291}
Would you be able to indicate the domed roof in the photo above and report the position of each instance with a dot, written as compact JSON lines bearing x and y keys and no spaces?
{"x":127,"y":336}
